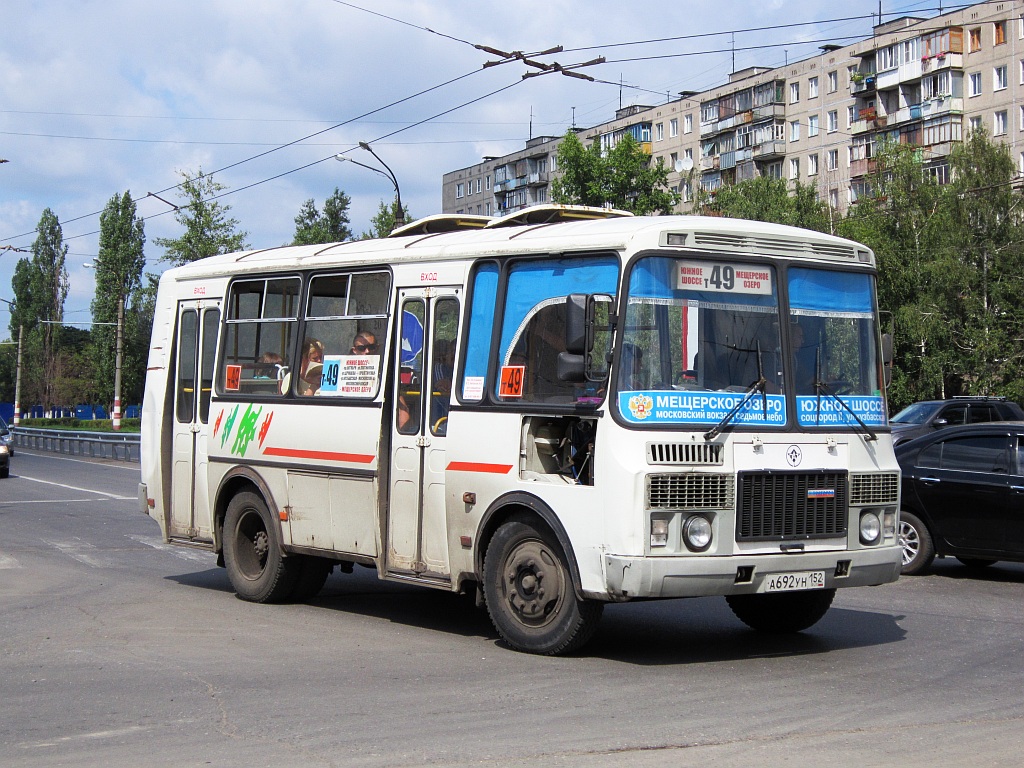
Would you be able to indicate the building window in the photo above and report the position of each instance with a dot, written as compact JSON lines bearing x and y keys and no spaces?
{"x":974,"y":84}
{"x":673,"y":159}
{"x":478,"y":182}
{"x":812,"y":165}
{"x":688,"y":154}
{"x":794,"y":168}
{"x":794,"y":130}
{"x":974,"y":40}
{"x":812,"y":88}
{"x":460,"y":191}
{"x":833,"y":82}
{"x":812,"y":126}
{"x":833,"y":198}
{"x":1022,"y":118}
{"x":999,"y":78}
{"x":833,"y":121}
{"x":659,"y":132}
{"x":975,"y":123}
{"x":487,"y":181}
{"x":688,"y":124}
{"x":775,"y":170}
{"x":851,"y":116}
{"x":673,"y":127}
{"x":999,"y":123}
{"x":554,"y":162}
{"x":794,"y":93}
{"x":487,"y":208}
{"x":999,"y":32}
{"x":1022,"y":72}
{"x":832,"y":160}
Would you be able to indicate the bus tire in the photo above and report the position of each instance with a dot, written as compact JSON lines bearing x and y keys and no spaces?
{"x":256,"y":565}
{"x":782,"y":613}
{"x":529,"y":593}
{"x":312,"y":574}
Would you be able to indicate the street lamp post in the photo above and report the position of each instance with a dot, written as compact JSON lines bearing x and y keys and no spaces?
{"x":390,"y":176}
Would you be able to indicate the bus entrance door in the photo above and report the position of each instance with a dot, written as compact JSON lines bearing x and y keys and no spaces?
{"x":196,"y":343}
{"x":417,"y":527}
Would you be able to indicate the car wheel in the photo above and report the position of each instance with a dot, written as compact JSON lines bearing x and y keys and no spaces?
{"x":918,"y":549}
{"x":256,"y":565}
{"x":529,"y":593}
{"x":5,"y":472}
{"x":782,"y":613}
{"x":976,"y":562}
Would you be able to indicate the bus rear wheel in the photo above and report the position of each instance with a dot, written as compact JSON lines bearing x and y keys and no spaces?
{"x":256,"y":565}
{"x":782,"y":613}
{"x":529,"y":593}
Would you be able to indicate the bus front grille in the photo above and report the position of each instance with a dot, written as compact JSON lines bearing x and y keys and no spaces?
{"x":690,"y":490}
{"x":709,"y":454}
{"x":777,"y":506}
{"x":874,"y":488}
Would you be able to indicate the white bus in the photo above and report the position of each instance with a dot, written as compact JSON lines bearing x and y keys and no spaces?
{"x":554,"y":410}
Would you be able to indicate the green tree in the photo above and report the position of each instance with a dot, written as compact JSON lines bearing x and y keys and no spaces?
{"x":624,"y":177}
{"x":209,"y":230}
{"x":40,"y":286}
{"x":767,"y":199}
{"x":118,"y":281}
{"x":382,"y":223}
{"x":328,"y":226}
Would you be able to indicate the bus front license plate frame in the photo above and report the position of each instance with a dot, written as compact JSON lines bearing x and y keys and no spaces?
{"x":794,"y":581}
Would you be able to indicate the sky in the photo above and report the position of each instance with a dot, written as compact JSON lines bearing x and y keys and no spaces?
{"x":102,"y":96}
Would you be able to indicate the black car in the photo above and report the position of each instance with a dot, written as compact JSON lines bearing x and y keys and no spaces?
{"x":963,"y":495}
{"x":5,"y":449}
{"x":928,"y":415}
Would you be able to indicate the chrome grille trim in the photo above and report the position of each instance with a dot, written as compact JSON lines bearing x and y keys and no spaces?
{"x":705,"y":454}
{"x":777,"y":506}
{"x":874,"y":488}
{"x":690,"y":490}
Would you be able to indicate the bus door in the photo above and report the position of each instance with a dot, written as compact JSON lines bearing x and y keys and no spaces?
{"x":196,"y":343}
{"x":417,"y":530}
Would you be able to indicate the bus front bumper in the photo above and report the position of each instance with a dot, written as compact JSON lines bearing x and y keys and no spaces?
{"x":695,"y":576}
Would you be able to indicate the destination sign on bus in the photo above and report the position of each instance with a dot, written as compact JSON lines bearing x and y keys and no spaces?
{"x":723,"y":278}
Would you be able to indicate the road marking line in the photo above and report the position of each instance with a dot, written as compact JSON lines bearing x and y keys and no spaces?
{"x":8,"y":562}
{"x":73,"y":550}
{"x":182,"y":552}
{"x":49,"y":501}
{"x":76,"y":488}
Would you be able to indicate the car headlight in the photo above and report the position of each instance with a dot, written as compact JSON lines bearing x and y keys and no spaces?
{"x":870,"y":528}
{"x":697,"y":533}
{"x":3,"y":449}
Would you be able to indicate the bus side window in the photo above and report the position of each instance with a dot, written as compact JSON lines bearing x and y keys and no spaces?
{"x":408,"y":402}
{"x":442,"y":368}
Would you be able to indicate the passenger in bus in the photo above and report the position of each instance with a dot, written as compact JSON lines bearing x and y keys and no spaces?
{"x":365,"y":343}
{"x":267,"y":366}
{"x":632,"y":366}
{"x":311,"y":366}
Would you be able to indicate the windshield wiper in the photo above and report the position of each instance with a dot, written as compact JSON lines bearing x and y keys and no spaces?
{"x":820,"y":386}
{"x":758,"y":386}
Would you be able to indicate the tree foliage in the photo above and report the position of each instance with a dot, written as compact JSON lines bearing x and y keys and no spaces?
{"x":118,"y":282}
{"x":769,"y":199}
{"x":623,"y":177}
{"x":382,"y":223}
{"x":209,"y":230}
{"x":330,"y":225}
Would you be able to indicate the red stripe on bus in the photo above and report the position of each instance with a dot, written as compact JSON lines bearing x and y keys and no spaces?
{"x":299,"y":453}
{"x":473,"y":466}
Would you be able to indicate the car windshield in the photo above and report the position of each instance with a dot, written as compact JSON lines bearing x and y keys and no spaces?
{"x":918,"y":413}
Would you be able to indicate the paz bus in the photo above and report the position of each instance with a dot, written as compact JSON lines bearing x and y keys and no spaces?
{"x":553,"y":410}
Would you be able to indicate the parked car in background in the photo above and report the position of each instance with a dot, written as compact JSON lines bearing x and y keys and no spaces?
{"x":928,"y":415}
{"x":5,"y":449}
{"x":963,"y":495}
{"x":6,"y":436}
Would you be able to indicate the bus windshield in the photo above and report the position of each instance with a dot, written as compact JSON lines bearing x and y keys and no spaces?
{"x":700,"y":336}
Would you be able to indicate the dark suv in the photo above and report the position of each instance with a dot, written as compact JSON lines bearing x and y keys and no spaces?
{"x":928,"y":415}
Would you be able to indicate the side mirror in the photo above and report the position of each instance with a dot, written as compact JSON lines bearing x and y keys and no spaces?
{"x":887,"y":358}
{"x":572,"y":368}
{"x":576,"y":324}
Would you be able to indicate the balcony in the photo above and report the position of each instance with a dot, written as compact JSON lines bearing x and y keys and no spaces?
{"x":942,"y":61}
{"x":537,"y":178}
{"x":770,"y":150}
{"x":768,"y":112}
{"x":710,"y":163}
{"x":865,"y":85}
{"x":941,"y":105}
{"x":862,"y":167}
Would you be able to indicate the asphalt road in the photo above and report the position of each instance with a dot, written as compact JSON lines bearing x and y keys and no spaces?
{"x":118,"y":650}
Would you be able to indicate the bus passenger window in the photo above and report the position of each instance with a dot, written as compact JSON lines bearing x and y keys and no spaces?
{"x":442,"y":369}
{"x":409,"y":398}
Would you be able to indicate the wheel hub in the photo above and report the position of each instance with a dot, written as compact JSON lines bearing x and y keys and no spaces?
{"x":532,"y":580}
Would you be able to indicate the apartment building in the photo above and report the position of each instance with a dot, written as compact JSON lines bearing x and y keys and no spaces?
{"x":916,"y":81}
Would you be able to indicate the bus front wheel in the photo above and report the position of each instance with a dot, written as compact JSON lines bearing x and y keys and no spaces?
{"x":256,"y":565}
{"x":529,"y":593}
{"x":784,"y":612}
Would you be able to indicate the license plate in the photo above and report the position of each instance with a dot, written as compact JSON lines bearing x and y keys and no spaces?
{"x":791,"y":582}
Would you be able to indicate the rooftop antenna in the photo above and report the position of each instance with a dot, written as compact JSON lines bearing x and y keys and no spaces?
{"x":574,"y":118}
{"x":734,"y":50}
{"x":531,"y":122}
{"x":620,"y":90}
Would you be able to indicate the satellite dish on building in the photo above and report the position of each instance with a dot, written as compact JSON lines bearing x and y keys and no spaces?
{"x":684,"y":165}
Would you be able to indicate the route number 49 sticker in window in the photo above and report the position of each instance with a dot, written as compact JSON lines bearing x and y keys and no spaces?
{"x":511,"y":381}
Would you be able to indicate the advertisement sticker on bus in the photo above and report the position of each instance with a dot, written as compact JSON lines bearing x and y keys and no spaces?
{"x":723,"y":278}
{"x":814,"y":411}
{"x":659,"y":407}
{"x":349,"y":375}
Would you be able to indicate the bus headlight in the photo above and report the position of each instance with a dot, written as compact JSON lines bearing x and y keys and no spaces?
{"x":659,"y":532}
{"x":870,"y":527}
{"x":697,"y":533}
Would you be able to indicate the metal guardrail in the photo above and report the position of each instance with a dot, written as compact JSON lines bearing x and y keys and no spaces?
{"x":101,"y":445}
